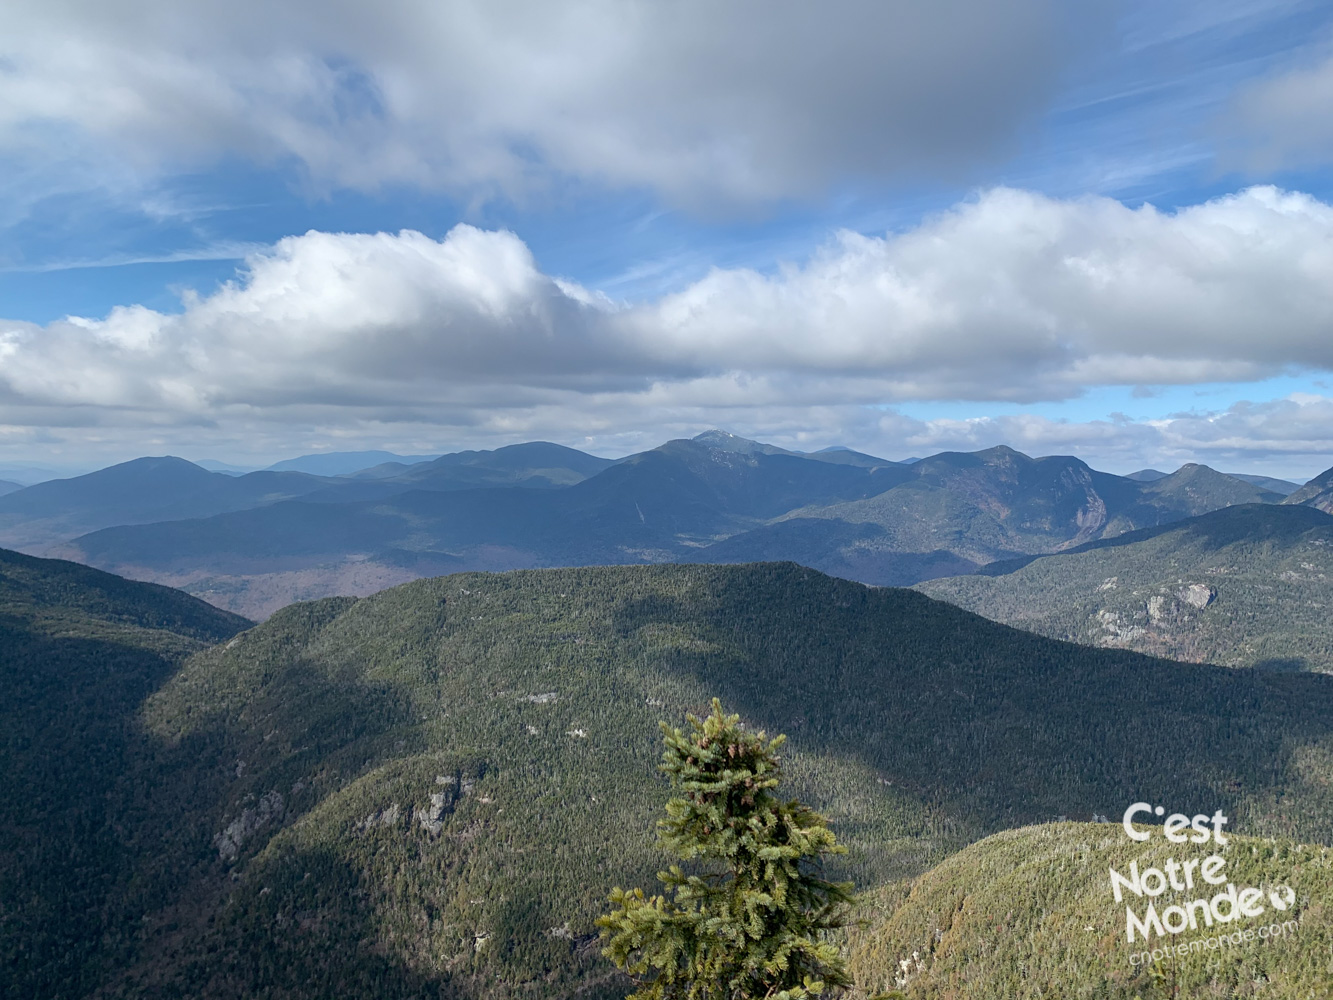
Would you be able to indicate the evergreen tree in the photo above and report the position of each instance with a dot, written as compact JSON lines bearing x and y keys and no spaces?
{"x":750,"y":919}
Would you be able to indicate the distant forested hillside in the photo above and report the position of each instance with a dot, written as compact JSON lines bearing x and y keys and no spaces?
{"x":1245,"y":586}
{"x":165,"y":489}
{"x":430,"y":791}
{"x":716,"y":498}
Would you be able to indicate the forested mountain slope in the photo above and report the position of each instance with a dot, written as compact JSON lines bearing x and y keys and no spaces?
{"x":1244,"y":586}
{"x":430,"y":791}
{"x":534,"y":465}
{"x":88,"y":829}
{"x":1030,"y":914}
{"x":955,"y":512}
{"x":1318,"y":492}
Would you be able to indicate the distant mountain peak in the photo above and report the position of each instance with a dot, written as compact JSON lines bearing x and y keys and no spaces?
{"x":1197,"y":470}
{"x":719,"y":438}
{"x":726,"y":441}
{"x":158,"y":462}
{"x":1002,"y":453}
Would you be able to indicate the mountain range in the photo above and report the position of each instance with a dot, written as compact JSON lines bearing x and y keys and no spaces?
{"x":256,"y":542}
{"x":1281,"y":486}
{"x":169,"y":489}
{"x":429,"y":792}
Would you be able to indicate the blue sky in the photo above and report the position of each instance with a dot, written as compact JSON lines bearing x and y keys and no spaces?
{"x":901,"y":230}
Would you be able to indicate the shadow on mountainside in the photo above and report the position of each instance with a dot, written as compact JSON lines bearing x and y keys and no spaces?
{"x":999,"y":726}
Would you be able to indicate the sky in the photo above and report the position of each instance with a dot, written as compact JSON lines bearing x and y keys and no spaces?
{"x":244,"y":231}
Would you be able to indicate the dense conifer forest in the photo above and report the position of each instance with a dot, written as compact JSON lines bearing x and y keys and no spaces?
{"x":431,"y":791}
{"x":1250,"y":585}
{"x":1029,"y":914}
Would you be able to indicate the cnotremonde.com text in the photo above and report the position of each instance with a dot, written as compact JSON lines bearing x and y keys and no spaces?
{"x":1229,"y":904}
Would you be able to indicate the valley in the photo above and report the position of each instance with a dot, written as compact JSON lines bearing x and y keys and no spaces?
{"x":431,"y":790}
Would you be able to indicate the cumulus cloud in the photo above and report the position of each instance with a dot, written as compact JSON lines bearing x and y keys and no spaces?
{"x":1011,"y":296}
{"x":1283,"y":437}
{"x":1020,"y":296}
{"x":706,"y":103}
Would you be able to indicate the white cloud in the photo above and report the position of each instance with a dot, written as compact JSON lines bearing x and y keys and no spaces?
{"x":707,"y":103}
{"x":1019,"y":296}
{"x":1010,"y":297}
{"x":1282,"y":437}
{"x":1286,"y":119}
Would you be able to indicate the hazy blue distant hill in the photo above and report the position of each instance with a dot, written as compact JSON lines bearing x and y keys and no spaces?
{"x":646,"y":508}
{"x":1147,"y":475}
{"x":710,"y":499}
{"x":429,"y":792}
{"x":341,"y":463}
{"x":119,"y":489}
{"x":213,"y":465}
{"x":1249,"y":585}
{"x":523,"y":461}
{"x":7,"y":487}
{"x":30,"y":473}
{"x":1196,"y":489}
{"x":756,"y":484}
{"x":136,"y":492}
{"x":535,"y":465}
{"x":846,"y":456}
{"x":657,"y":506}
{"x":1282,"y":486}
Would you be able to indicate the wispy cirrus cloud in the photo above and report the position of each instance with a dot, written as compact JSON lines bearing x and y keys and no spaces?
{"x":226,"y":250}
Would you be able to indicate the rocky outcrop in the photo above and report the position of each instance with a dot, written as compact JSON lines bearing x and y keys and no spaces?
{"x":431,"y":817}
{"x":385,"y":817}
{"x":269,"y":809}
{"x":1197,"y":595}
{"x":1156,"y":623}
